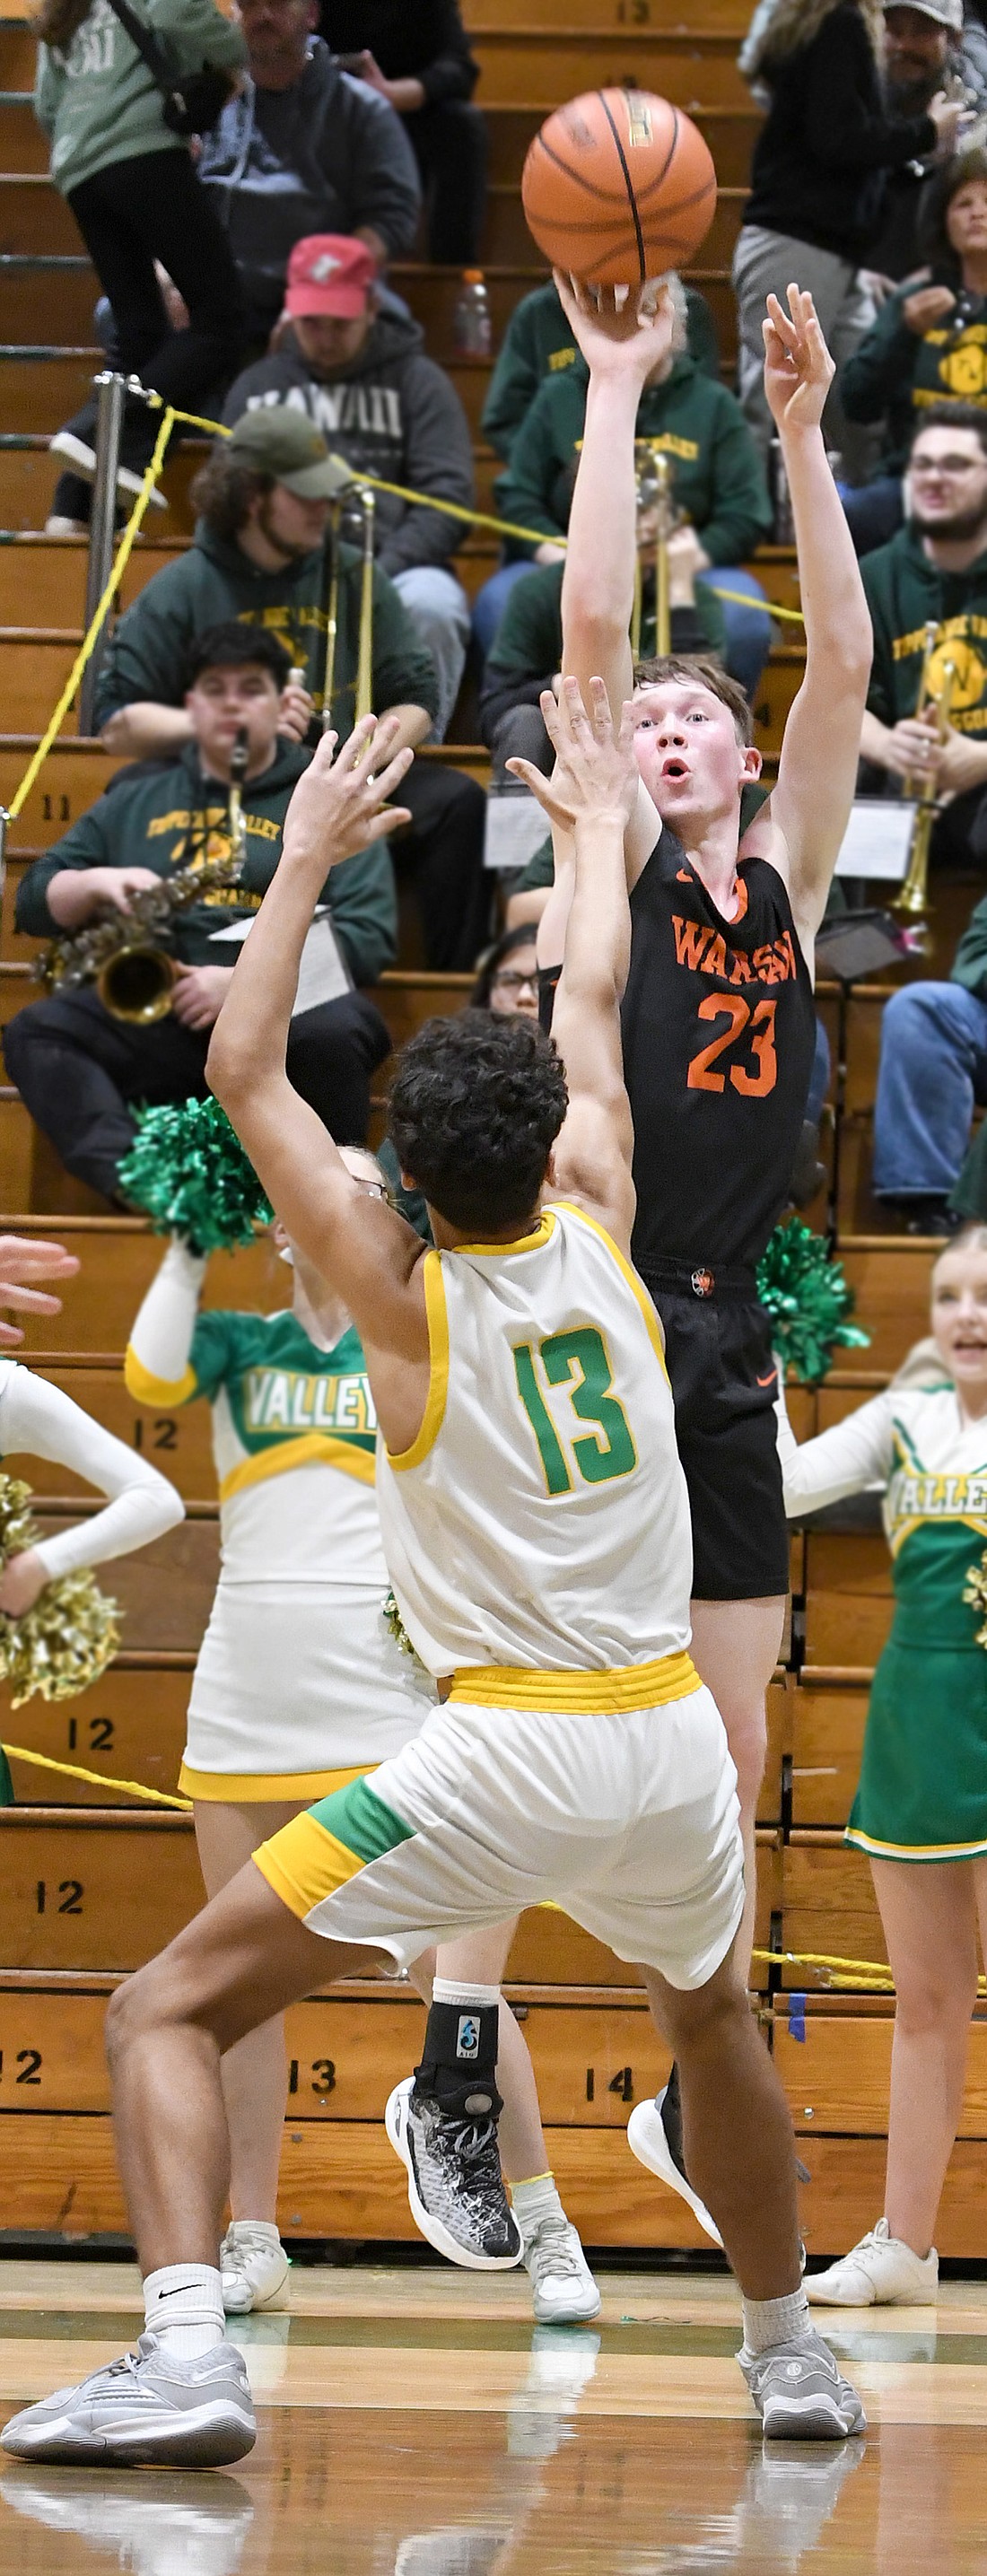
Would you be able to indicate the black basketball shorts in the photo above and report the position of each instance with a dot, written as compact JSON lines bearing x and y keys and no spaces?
{"x":724,"y":1380}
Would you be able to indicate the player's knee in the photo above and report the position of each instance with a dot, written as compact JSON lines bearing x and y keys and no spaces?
{"x":138,"y":2007}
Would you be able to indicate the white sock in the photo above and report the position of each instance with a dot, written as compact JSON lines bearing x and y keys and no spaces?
{"x":467,"y":1998}
{"x":534,"y":2200}
{"x":264,"y":2229}
{"x":771,"y":2321}
{"x":183,"y":2306}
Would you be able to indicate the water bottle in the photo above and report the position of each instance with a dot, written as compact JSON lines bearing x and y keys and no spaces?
{"x":471,"y":320}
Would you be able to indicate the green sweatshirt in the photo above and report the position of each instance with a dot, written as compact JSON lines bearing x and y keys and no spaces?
{"x":538,"y":343}
{"x":96,"y":98}
{"x":717,"y":479}
{"x":215,"y":581}
{"x":528,"y":642}
{"x":969,"y":965}
{"x":165,"y":815}
{"x":894,"y":373}
{"x":904,"y":593}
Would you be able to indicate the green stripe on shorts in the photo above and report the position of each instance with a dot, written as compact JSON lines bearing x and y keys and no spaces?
{"x":360,"y":1820}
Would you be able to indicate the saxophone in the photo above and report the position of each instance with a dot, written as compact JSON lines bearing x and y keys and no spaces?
{"x":121,"y":953}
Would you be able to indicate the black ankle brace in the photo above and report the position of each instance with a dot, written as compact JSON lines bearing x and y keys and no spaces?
{"x":458,"y":2067}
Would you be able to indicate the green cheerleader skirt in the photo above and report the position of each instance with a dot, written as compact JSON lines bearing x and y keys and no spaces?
{"x":922,"y":1793}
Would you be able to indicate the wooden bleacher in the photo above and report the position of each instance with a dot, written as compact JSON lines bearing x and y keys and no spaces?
{"x":93,"y":1884}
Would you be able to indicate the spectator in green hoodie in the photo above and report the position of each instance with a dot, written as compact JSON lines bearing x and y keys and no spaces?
{"x":78,"y":1068}
{"x":928,"y":345}
{"x":263,"y":552}
{"x":718,"y":487}
{"x":135,"y":195}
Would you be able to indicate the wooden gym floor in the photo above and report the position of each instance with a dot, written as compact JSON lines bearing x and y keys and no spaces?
{"x":414,"y":2423}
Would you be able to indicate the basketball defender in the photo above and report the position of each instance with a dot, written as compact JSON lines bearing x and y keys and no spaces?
{"x":718,"y":1015}
{"x":529,"y":1488}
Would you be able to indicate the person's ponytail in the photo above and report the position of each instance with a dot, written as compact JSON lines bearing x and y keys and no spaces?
{"x":57,"y":21}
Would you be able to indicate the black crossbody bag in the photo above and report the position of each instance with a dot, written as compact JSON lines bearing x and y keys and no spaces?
{"x":191,"y":102}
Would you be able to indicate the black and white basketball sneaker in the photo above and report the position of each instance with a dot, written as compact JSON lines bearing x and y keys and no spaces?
{"x":455,"y":2185}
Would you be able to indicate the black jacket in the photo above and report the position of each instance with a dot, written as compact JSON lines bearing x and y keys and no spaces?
{"x":426,"y":41}
{"x":821,"y":156}
{"x":392,"y":413}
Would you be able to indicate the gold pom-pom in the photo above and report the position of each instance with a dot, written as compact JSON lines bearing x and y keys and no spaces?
{"x":975,"y":1592}
{"x":68,"y":1637}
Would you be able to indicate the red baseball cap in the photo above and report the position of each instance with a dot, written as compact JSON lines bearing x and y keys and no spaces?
{"x":329,"y":273}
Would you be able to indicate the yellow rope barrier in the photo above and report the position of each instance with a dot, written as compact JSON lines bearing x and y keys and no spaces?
{"x":97,"y":1779}
{"x":866,"y":1974}
{"x":89,"y":640}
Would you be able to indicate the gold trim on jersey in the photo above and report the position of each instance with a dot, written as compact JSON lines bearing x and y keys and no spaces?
{"x":245,"y":1789}
{"x":913,"y":1851}
{"x":606,"y":1693}
{"x":437,"y":1318}
{"x":147,"y":1389}
{"x":652,"y":1319}
{"x":540,"y":1235}
{"x":320,"y":1864}
{"x":311,"y":1448}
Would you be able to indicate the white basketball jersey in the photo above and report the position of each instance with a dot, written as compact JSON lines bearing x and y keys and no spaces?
{"x":541,"y":1516}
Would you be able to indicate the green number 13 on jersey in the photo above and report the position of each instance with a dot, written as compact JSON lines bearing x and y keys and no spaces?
{"x":578,"y":1362}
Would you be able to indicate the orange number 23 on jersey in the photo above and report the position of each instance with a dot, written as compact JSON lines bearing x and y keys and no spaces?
{"x":757,"y":1027}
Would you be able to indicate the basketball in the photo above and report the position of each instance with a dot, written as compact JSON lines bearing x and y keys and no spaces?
{"x":618,"y":187}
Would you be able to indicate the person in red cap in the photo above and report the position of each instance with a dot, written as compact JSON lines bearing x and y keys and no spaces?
{"x":362,"y":376}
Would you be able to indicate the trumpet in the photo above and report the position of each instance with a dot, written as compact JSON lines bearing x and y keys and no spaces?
{"x":913,"y":897}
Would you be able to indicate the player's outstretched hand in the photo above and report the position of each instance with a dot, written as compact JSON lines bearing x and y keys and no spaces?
{"x":22,"y":1260}
{"x":595,"y":774}
{"x":339,"y":803}
{"x":629,"y":338}
{"x":798,"y":369}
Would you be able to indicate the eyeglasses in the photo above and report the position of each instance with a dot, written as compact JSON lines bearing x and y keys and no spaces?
{"x":375,"y":1190}
{"x":923,"y":466}
{"x":508,"y":981}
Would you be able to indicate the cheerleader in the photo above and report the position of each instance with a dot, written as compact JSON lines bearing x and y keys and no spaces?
{"x":299,"y":1686}
{"x":920,"y":1811}
{"x":38,"y":1421}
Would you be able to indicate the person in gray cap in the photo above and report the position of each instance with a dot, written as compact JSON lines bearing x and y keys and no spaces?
{"x":264,"y":551}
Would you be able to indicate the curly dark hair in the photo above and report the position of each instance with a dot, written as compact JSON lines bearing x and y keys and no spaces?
{"x":692,"y":669}
{"x":223,"y":490}
{"x":476,"y":1107}
{"x":234,"y":645}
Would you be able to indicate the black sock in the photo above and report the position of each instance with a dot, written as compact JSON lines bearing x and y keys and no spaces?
{"x":458,"y":2067}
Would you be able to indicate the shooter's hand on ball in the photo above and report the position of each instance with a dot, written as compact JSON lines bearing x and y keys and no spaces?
{"x":798,"y":369}
{"x":629,"y":339}
{"x":595,"y":770}
{"x":338,"y":806}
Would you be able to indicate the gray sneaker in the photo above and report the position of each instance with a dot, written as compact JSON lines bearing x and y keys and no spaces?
{"x":144,"y":2410}
{"x":564,"y":2292}
{"x":455,"y":2185}
{"x":799,"y":2393}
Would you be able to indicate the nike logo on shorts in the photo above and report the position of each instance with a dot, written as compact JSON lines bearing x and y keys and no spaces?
{"x":769,"y":1380}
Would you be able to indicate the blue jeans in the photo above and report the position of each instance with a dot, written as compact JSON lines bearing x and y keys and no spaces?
{"x":748,"y":629}
{"x":933,"y":1069}
{"x":491,"y":601}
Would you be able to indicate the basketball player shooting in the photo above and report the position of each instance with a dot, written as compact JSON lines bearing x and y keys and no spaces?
{"x":718,"y":1016}
{"x":536,"y":1527}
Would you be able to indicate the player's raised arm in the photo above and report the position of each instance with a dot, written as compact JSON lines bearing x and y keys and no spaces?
{"x":591,"y":795}
{"x":360,"y":1245}
{"x":818,"y":768}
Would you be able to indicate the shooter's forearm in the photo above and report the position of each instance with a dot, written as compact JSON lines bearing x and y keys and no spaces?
{"x":837,"y":624}
{"x":598,"y":581}
{"x":249,"y":1041}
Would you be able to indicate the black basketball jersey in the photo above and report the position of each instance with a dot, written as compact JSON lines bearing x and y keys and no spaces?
{"x":719,"y":1034}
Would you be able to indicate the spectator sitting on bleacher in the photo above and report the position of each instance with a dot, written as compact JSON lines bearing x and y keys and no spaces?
{"x":304,"y":148}
{"x":263,"y":552}
{"x":817,"y":187}
{"x":933,"y":572}
{"x":538,"y":343}
{"x":718,"y":487}
{"x":419,"y":60}
{"x":77,"y":1066}
{"x":929,"y":343}
{"x":932,"y":1073}
{"x":930,"y":47}
{"x":526,"y":651}
{"x":363,"y":377}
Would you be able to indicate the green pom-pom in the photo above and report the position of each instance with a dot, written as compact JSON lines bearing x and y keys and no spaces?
{"x":808,"y":1300}
{"x":188,"y":1171}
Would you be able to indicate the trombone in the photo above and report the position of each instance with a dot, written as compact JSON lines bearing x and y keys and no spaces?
{"x":653,"y":476}
{"x":913,"y":897}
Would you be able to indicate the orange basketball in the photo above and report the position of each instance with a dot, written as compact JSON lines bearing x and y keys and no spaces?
{"x":618,"y":187}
